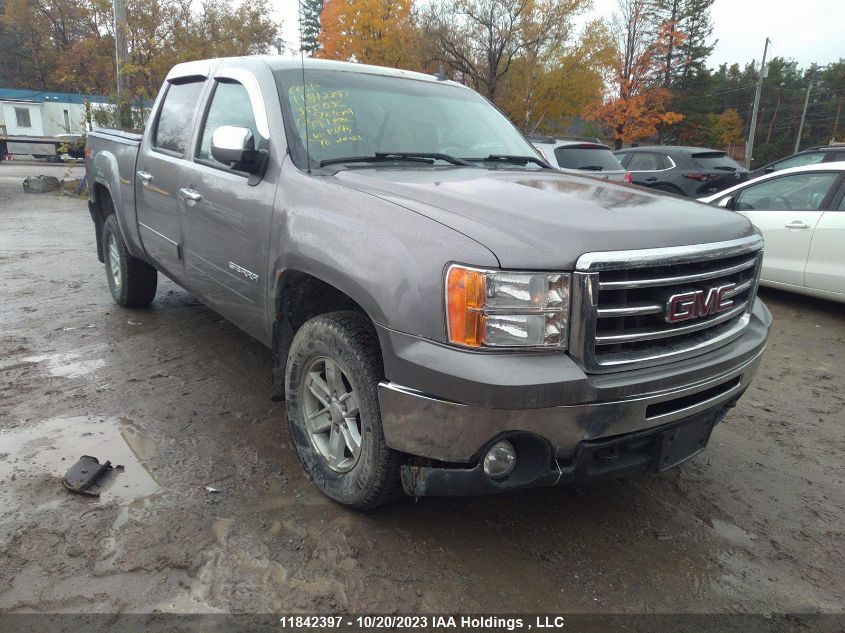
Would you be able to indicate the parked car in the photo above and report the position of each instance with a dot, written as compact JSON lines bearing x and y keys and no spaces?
{"x":811,"y":156}
{"x":580,"y":156}
{"x":685,"y":171}
{"x":801,"y":212}
{"x":447,"y":314}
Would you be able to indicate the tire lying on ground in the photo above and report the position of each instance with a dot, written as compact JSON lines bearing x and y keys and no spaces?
{"x":132,"y":282}
{"x":331,"y":389}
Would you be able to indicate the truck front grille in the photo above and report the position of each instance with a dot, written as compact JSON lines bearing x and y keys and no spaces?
{"x":620,"y":302}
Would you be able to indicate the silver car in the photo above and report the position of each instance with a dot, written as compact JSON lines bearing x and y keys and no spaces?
{"x":580,"y":156}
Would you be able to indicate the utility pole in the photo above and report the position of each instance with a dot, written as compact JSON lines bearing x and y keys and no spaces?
{"x":749,"y":146}
{"x":124,"y":114}
{"x":803,"y":115}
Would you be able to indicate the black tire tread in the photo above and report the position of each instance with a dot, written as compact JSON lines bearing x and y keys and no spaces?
{"x":358,"y":332}
{"x":140,"y":279}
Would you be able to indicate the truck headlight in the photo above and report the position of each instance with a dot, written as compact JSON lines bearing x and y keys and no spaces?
{"x":491,"y":308}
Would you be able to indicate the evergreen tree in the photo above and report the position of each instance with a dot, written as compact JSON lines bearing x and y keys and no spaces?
{"x":684,"y":66}
{"x":310,"y":11}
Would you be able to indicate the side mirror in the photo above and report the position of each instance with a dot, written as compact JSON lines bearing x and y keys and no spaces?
{"x":235,"y":146}
{"x":727,"y":203}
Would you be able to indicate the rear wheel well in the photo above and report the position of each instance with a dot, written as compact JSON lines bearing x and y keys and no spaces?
{"x":669,"y":188}
{"x":299,"y":298}
{"x":103,"y":207}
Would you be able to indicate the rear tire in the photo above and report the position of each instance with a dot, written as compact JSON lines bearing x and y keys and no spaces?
{"x":331,"y":390}
{"x":132,"y":281}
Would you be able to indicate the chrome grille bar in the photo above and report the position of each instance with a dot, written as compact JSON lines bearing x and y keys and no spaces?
{"x":679,"y":279}
{"x":613,"y":339}
{"x":629,"y":310}
{"x":739,"y":289}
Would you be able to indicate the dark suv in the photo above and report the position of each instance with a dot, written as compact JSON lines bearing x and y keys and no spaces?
{"x":685,"y":171}
{"x":811,"y":156}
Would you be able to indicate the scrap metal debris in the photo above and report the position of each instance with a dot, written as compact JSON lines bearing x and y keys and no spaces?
{"x":84,"y":474}
{"x":40,"y":184}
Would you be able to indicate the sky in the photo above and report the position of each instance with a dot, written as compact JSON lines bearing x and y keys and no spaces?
{"x":805,"y":30}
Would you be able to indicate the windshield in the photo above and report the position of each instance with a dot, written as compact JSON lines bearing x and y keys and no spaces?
{"x":587,"y":157}
{"x":358,"y":115}
{"x":715,"y":160}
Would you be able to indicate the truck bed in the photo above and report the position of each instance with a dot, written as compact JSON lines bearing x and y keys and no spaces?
{"x":118,"y":135}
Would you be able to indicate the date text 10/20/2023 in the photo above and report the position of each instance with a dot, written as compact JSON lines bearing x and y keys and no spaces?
{"x":368,"y":622}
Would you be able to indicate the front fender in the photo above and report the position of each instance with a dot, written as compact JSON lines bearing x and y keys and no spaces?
{"x":388,"y":259}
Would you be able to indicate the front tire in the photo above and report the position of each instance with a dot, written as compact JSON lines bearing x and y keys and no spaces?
{"x":132,"y":281}
{"x":331,"y":390}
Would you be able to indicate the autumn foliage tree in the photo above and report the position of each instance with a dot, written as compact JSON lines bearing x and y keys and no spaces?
{"x":550,"y":95}
{"x":380,"y":32}
{"x":69,"y":44}
{"x":638,"y":100}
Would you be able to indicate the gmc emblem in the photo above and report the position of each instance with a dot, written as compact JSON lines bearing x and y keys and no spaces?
{"x":698,"y":303}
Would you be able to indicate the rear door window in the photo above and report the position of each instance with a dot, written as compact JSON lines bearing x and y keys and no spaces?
{"x":645,"y":161}
{"x":176,"y":118}
{"x":587,"y":157}
{"x":707,"y":161}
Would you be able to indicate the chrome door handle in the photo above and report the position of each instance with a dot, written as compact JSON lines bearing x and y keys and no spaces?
{"x":145,"y":176}
{"x":191,"y":196}
{"x":797,"y":224}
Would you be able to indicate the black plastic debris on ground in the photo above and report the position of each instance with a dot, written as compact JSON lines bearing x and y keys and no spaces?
{"x":82,"y":477}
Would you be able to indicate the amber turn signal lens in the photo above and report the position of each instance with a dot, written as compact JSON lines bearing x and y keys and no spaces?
{"x":465,"y":291}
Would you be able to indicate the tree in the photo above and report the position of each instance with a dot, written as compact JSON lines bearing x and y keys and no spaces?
{"x":638,"y":102}
{"x":479,"y":40}
{"x":730,"y":128}
{"x":549,"y":96}
{"x":683,"y":59}
{"x":69,"y":44}
{"x":309,"y":25}
{"x":380,"y":32}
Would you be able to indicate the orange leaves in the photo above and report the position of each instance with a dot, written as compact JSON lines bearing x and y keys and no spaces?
{"x":639,"y":100}
{"x":377,"y":32}
{"x":634,"y":117}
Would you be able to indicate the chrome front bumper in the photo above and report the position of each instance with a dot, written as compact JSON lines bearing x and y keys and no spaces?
{"x":448,"y":431}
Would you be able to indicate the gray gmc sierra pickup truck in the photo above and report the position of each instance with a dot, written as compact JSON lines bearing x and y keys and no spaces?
{"x":446,"y":313}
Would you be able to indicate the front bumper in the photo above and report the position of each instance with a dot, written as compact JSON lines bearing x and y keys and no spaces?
{"x":453,"y":435}
{"x":651,"y":450}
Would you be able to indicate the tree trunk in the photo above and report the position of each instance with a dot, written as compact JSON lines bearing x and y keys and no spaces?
{"x":774,"y":117}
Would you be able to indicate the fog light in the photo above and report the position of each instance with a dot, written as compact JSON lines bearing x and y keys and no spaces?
{"x":500,"y":460}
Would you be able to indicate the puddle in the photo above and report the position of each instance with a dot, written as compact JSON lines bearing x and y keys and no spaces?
{"x":733,"y":533}
{"x":53,"y":445}
{"x":66,"y":365}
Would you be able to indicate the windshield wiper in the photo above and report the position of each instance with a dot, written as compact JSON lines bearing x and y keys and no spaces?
{"x":427,"y":158}
{"x":591,"y":167}
{"x":725,"y":168}
{"x":506,"y":158}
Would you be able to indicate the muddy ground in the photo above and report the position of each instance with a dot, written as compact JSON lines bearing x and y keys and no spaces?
{"x":179,"y":396}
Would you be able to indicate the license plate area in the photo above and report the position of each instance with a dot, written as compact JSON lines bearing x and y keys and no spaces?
{"x":679,"y":443}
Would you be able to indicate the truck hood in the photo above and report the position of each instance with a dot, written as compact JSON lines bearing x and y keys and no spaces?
{"x":547,"y":219}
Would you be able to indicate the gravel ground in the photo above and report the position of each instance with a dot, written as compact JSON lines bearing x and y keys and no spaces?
{"x":179,"y":396}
